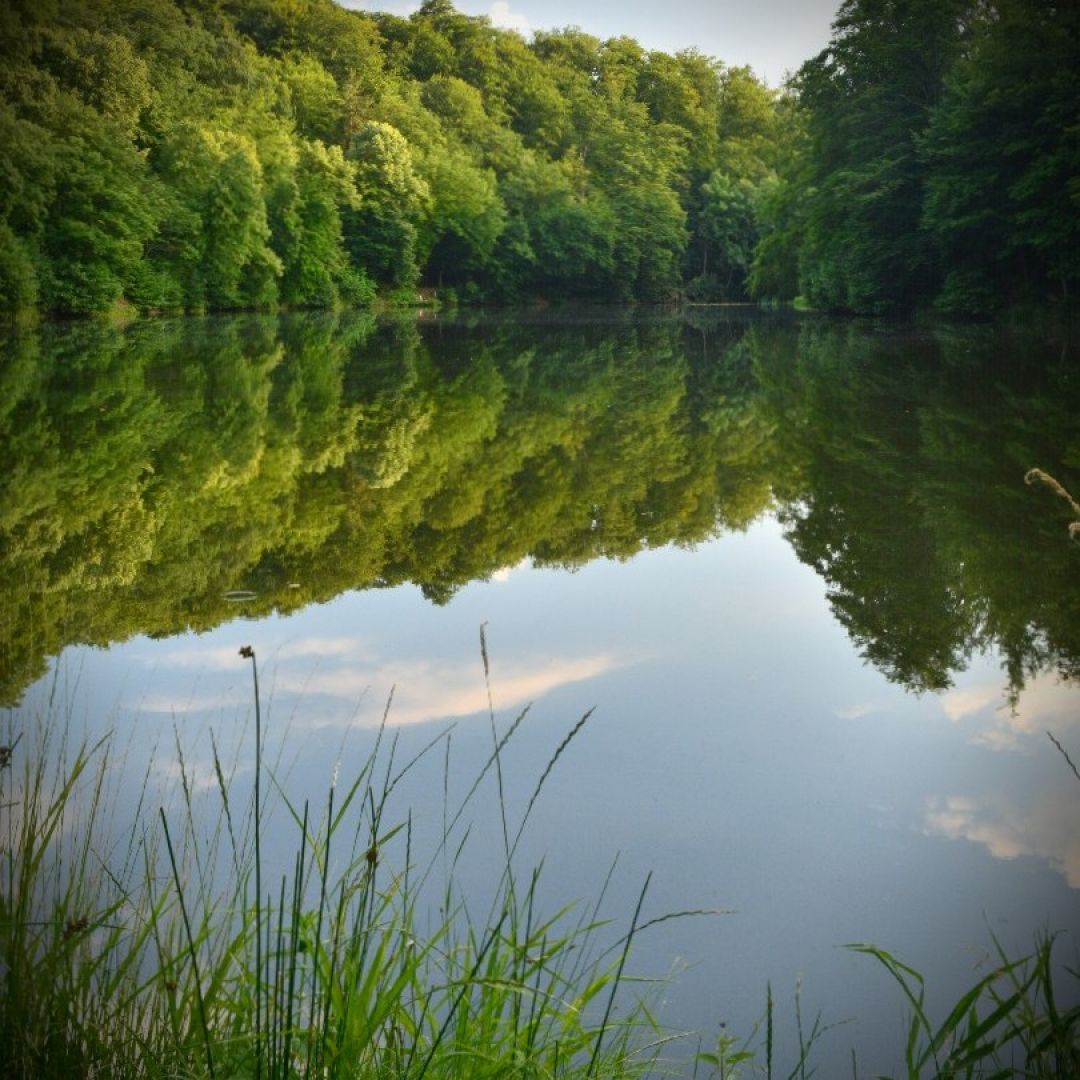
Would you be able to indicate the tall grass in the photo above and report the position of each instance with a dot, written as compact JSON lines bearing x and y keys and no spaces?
{"x":176,"y":951}
{"x":1007,"y":1024}
{"x":327,"y":970}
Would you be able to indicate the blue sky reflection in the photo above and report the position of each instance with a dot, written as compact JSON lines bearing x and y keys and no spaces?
{"x":740,"y":748}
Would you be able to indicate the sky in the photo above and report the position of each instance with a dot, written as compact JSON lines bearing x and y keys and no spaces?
{"x":771,"y":36}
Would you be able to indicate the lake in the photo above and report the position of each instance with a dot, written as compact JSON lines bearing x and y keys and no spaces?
{"x":791,"y":564}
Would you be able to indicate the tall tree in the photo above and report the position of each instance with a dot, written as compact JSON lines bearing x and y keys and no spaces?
{"x":869,"y":97}
{"x":1003,"y":155}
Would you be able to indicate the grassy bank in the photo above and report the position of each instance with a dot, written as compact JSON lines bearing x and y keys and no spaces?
{"x":167,"y":947}
{"x":173,"y":952}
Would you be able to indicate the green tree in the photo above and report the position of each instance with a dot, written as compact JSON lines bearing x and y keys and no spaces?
{"x":305,"y":206}
{"x":380,"y":235}
{"x":102,"y":212}
{"x":727,"y":235}
{"x":1003,"y":153}
{"x":868,"y":99}
{"x":219,"y":179}
{"x":103,"y":70}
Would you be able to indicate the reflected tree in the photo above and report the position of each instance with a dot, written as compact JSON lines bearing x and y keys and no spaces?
{"x":909,"y":497}
{"x":153,"y":470}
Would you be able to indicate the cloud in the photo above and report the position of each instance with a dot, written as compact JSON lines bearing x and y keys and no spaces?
{"x":218,"y":658}
{"x":201,"y":776}
{"x":969,"y":700}
{"x":227,"y":657}
{"x":502,"y":575}
{"x":501,"y":15}
{"x":426,"y":690}
{"x":189,"y":703}
{"x":1047,"y":702}
{"x":319,"y":646}
{"x":338,"y":681}
{"x":858,"y":711}
{"x":1050,"y":829}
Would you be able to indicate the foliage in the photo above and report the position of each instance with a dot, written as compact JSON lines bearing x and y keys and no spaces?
{"x":1002,"y":202}
{"x":1008,"y":1023}
{"x":254,"y":153}
{"x":939,"y":161}
{"x":173,"y":156}
{"x":154,"y":470}
{"x":163,"y":949}
{"x":903,"y":501}
{"x":170,"y":951}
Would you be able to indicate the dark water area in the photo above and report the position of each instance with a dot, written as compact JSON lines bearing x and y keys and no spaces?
{"x":793,"y":564}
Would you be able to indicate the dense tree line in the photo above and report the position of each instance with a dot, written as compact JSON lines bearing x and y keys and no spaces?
{"x":935,"y":161}
{"x":222,"y":154}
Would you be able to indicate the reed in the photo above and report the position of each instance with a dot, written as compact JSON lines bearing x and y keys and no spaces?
{"x":1008,"y":1023}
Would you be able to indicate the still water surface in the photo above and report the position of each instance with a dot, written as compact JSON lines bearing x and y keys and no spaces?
{"x":795,"y":567}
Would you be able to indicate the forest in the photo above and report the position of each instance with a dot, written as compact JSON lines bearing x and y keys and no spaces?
{"x":193,"y":155}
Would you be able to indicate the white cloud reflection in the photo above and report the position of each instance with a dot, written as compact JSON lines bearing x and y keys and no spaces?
{"x":200,"y":777}
{"x":858,"y":711}
{"x":357,"y":648}
{"x":1044,"y":824}
{"x":1046,"y":703}
{"x":502,"y":575}
{"x":970,"y":700}
{"x":227,"y":657}
{"x":164,"y":705}
{"x":342,"y":681}
{"x":1050,"y":829}
{"x":436,"y":689}
{"x":201,"y":658}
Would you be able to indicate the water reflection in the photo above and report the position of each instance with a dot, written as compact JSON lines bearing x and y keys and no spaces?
{"x":174,"y":475}
{"x":1040,"y":819}
{"x":157,"y":472}
{"x":1046,"y":828}
{"x":347,"y":670}
{"x":1046,"y":702}
{"x":741,"y":749}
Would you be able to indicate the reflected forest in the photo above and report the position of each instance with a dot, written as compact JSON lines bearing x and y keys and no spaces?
{"x":178,"y":473}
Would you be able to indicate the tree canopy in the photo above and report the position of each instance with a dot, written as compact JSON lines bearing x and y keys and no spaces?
{"x":179,"y":155}
{"x":183,"y":155}
{"x":934,"y":163}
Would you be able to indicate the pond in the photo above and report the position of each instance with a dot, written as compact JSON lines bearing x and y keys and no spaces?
{"x":792,"y":565}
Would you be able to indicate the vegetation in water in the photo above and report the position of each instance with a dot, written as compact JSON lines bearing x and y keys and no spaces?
{"x":911,"y":503}
{"x":182,"y":155}
{"x":296,"y":459}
